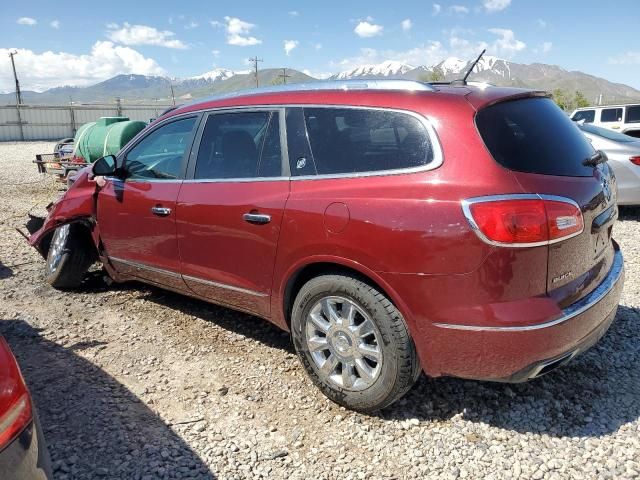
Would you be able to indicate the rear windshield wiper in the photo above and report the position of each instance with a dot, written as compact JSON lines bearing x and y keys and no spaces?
{"x":595,"y":159}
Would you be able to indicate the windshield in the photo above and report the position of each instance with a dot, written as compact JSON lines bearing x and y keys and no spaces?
{"x":606,"y":133}
{"x":533,"y":135}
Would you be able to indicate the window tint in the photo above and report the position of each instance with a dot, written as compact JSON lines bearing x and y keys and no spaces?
{"x":301,"y":161}
{"x":232,"y":143}
{"x":633,"y":114}
{"x":346,"y":140}
{"x":533,"y":135}
{"x":587,"y":115}
{"x":159,"y":155}
{"x":611,"y":115}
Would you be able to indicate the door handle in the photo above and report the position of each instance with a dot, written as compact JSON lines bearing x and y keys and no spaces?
{"x":257,"y":218}
{"x":161,"y":211}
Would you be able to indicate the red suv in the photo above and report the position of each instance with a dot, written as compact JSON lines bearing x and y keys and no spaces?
{"x":393,"y":227}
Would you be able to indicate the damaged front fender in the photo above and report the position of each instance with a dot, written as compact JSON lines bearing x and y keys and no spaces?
{"x":78,"y":204}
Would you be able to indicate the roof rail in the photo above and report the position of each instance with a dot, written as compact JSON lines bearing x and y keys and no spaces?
{"x":385,"y":84}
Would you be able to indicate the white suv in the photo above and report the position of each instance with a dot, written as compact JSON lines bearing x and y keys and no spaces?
{"x":621,"y":118}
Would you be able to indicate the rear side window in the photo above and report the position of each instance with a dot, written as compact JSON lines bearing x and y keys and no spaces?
{"x":348,"y":140}
{"x":533,"y":135}
{"x":633,"y":114}
{"x":611,"y":115}
{"x":240,"y":145}
{"x":587,"y":115}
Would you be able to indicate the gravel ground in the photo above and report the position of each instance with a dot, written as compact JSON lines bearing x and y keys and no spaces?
{"x":134,"y":382}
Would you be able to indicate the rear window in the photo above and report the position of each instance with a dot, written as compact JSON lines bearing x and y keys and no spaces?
{"x":348,"y":140}
{"x":611,"y":115}
{"x":533,"y":135}
{"x":587,"y":115}
{"x":633,"y":114}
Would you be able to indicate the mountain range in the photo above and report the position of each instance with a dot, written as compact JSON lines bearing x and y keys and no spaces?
{"x":493,"y":70}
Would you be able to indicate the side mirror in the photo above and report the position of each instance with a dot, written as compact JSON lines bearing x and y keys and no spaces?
{"x":104,"y":166}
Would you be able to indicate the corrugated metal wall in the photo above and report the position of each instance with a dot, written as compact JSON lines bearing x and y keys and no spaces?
{"x":53,"y":122}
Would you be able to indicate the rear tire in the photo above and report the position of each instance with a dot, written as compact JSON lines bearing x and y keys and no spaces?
{"x":70,"y":256}
{"x":353,"y":343}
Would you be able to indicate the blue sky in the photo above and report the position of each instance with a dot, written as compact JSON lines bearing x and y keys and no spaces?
{"x":82,"y":43}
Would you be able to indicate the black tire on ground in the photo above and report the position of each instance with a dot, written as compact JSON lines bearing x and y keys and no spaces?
{"x":75,"y":255}
{"x":399,"y":368}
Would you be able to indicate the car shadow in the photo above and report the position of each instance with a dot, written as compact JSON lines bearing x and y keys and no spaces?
{"x":5,"y":271}
{"x":93,"y":425}
{"x":629,"y":213}
{"x":593,"y":395}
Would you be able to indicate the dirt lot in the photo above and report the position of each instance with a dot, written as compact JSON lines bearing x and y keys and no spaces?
{"x":134,"y":382}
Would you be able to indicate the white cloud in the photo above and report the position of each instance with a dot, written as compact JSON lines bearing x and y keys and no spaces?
{"x":289,"y":45}
{"x":406,"y":24}
{"x":366,"y":29}
{"x":433,"y":52}
{"x":55,"y":24}
{"x":318,"y":46}
{"x":495,"y":5}
{"x":459,"y":9}
{"x":294,"y":13}
{"x":507,"y":45}
{"x":39,"y":71}
{"x":143,"y":35}
{"x":541,"y":23}
{"x":626,"y":58}
{"x":238,"y":32}
{"x":546,"y":47}
{"x":27,"y":21}
{"x":437,"y":8}
{"x":191,"y":25}
{"x":216,"y":53}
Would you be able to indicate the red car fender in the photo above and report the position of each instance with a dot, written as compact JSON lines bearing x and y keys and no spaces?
{"x":77,"y":204}
{"x":280,"y":286}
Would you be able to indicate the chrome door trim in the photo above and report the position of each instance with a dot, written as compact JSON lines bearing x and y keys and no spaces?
{"x":143,"y":266}
{"x":225,"y":286}
{"x":173,"y":274}
{"x":572,"y":311}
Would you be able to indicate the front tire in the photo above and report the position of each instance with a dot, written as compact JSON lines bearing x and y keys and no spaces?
{"x":353,"y":343}
{"x":69,"y":257}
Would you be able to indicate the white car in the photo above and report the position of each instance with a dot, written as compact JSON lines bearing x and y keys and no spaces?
{"x":620,"y":118}
{"x":624,"y":158}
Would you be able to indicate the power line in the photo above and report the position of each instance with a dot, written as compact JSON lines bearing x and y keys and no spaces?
{"x":255,"y":61}
{"x":284,"y":76}
{"x":15,"y":76}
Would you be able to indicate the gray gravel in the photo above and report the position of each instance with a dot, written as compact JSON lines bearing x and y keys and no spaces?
{"x":134,"y":382}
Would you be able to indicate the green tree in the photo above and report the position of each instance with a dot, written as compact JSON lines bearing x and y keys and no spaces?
{"x":277,"y":81}
{"x":580,"y":100}
{"x":562,"y":99}
{"x":436,"y":76}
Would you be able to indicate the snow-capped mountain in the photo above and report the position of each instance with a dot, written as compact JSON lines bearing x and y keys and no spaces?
{"x":389,"y":68}
{"x":214,"y":75}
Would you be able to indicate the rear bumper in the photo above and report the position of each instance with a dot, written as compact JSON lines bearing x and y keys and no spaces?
{"x":26,"y":458}
{"x":519,"y":353}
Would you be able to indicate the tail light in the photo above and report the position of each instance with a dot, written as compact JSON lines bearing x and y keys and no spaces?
{"x":15,"y":403}
{"x":523,"y":220}
{"x":635,"y":160}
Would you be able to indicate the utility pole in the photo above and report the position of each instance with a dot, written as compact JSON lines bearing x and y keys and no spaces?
{"x":255,"y":61}
{"x":15,"y":76}
{"x":173,"y":96}
{"x":284,"y":76}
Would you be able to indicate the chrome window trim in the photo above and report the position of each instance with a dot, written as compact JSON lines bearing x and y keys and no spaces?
{"x":170,"y":273}
{"x":610,"y":281}
{"x":466,"y":209}
{"x":438,"y":156}
{"x":238,"y":180}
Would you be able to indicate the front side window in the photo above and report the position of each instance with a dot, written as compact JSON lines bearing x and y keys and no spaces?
{"x":587,"y":115}
{"x":351,"y":140}
{"x":611,"y":115}
{"x":633,"y":114}
{"x":160,"y":154}
{"x":240,"y":145}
